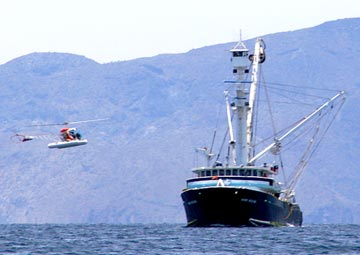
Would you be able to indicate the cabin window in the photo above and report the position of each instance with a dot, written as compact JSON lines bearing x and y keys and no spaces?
{"x":241,"y":172}
{"x":228,"y":172}
{"x":248,"y":172}
{"x":239,"y":53}
{"x":215,"y":172}
{"x":221,"y":172}
{"x":255,"y":173}
{"x":235,"y":172}
{"x":202,"y":173}
{"x":263,"y":174}
{"x":208,"y":173}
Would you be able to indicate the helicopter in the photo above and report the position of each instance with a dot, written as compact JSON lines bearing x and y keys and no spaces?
{"x":68,"y":136}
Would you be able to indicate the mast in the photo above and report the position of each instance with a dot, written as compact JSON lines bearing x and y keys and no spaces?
{"x":240,"y":64}
{"x":257,"y":58}
{"x":245,"y":101}
{"x":232,"y":141}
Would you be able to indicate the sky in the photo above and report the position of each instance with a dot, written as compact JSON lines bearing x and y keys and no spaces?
{"x":117,"y":30}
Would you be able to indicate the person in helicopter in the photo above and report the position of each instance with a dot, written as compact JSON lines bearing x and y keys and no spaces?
{"x":69,"y":134}
{"x":65,"y":134}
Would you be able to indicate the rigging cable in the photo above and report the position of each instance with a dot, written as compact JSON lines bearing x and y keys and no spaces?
{"x":303,"y":163}
{"x":215,"y":130}
{"x":302,"y":87}
{"x":274,"y":129}
{"x":223,"y":143}
{"x":270,"y":110}
{"x":321,"y":115}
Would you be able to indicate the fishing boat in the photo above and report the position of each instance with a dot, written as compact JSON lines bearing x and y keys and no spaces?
{"x":237,"y":191}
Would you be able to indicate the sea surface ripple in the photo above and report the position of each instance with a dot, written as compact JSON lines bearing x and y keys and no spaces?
{"x":177,"y":239}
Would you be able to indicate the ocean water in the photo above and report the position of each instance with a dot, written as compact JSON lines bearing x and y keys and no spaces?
{"x":177,"y":239}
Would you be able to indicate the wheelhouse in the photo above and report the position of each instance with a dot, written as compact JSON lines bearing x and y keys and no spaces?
{"x":264,"y":171}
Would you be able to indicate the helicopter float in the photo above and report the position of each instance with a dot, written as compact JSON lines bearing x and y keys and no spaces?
{"x":68,"y":136}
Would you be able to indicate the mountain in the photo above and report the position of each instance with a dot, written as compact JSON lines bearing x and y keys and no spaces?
{"x":160,"y":108}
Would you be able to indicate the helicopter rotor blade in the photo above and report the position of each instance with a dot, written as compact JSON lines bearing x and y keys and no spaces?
{"x":67,"y":123}
{"x":84,"y":121}
{"x":45,"y":125}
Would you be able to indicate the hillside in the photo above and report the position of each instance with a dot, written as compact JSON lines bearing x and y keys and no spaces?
{"x":160,"y":109}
